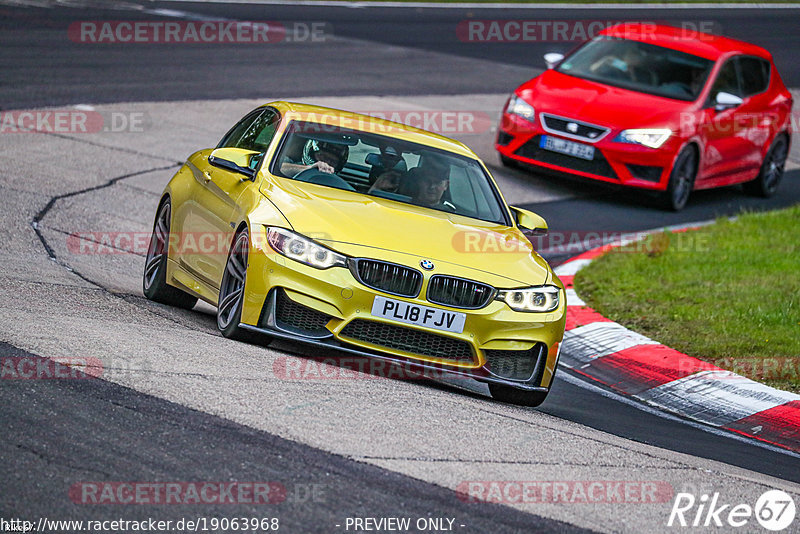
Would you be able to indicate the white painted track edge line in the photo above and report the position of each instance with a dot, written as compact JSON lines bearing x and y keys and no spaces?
{"x":654,"y":408}
{"x":630,"y":401}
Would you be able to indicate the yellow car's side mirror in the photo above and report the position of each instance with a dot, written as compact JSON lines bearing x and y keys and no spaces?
{"x":530,"y":221}
{"x":237,"y":160}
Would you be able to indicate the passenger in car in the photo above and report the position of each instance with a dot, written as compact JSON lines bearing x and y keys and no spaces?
{"x":389,"y":158}
{"x":428,"y":183}
{"x":388,"y":181}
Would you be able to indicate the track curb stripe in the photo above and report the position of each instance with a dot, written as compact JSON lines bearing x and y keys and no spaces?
{"x":632,"y":364}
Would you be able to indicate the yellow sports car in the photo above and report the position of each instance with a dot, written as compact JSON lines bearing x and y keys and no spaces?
{"x":361,"y":235}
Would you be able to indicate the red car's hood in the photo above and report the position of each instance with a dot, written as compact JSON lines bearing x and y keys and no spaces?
{"x":604,"y":105}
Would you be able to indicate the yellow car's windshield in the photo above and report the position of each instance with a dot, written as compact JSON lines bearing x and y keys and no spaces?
{"x":382,"y":166}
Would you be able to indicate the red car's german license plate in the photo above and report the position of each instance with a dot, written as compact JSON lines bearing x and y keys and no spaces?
{"x":569,"y":148}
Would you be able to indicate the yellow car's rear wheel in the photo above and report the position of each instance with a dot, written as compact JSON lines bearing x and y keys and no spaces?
{"x":154,"y":279}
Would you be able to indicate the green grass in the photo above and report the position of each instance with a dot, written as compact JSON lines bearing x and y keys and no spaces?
{"x":728,"y":293}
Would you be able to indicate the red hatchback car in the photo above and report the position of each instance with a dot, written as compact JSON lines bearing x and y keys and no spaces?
{"x":657,"y":108}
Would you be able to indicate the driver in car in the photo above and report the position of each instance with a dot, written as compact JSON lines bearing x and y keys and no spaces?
{"x":321,"y":155}
{"x":627,"y":64}
{"x":431,"y":181}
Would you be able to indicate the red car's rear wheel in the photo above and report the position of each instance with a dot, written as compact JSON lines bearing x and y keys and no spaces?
{"x":769,"y":177}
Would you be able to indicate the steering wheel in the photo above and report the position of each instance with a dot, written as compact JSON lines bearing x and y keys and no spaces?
{"x":316,"y":176}
{"x":308,"y":175}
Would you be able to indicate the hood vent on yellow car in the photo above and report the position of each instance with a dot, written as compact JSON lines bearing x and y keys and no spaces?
{"x":388,"y":277}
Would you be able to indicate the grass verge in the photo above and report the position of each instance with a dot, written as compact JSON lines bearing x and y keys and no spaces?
{"x":728,"y":293}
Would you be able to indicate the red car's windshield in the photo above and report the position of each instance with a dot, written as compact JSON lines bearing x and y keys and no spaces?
{"x":640,"y":67}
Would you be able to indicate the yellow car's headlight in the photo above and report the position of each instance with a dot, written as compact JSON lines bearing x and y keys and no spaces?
{"x":531,"y":299}
{"x":299,"y":248}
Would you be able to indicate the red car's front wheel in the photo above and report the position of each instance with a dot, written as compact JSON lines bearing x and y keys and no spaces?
{"x":681,"y":180}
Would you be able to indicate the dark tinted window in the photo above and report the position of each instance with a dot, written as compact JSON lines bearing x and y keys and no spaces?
{"x":235,"y":133}
{"x":259,"y":135}
{"x":754,"y":73}
{"x":429,"y":178}
{"x":727,"y":81}
{"x":640,"y":67}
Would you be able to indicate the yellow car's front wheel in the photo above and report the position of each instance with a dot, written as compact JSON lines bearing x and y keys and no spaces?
{"x":231,"y":290}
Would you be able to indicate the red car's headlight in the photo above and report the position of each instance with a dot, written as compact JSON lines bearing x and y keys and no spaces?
{"x":649,"y":137}
{"x":520,"y":108}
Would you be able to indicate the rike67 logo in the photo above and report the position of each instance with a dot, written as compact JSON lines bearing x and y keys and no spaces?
{"x":774,"y":510}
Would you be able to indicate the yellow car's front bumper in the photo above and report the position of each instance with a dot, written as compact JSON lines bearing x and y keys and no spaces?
{"x":288,"y":299}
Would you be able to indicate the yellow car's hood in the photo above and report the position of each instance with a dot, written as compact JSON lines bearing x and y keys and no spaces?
{"x":366,"y":226}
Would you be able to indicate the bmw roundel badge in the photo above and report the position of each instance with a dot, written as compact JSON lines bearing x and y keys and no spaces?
{"x":426,"y":264}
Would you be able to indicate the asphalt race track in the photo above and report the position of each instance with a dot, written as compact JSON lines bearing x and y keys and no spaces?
{"x":178,"y":402}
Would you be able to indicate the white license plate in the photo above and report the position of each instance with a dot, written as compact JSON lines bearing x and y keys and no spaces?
{"x":569,"y":148}
{"x":404,"y":312}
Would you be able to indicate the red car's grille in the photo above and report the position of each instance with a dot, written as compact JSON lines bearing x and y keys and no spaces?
{"x":573,"y":128}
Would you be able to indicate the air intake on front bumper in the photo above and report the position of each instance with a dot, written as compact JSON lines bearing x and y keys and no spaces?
{"x":408,"y":340}
{"x":524,"y":365}
{"x":388,"y":277}
{"x":281,"y":312}
{"x":458,"y":292}
{"x":645,"y":172}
